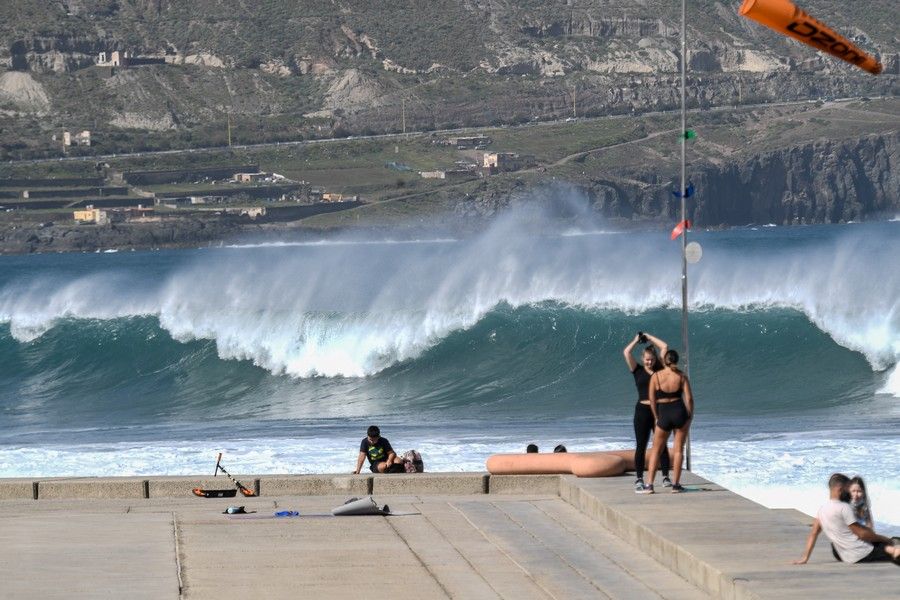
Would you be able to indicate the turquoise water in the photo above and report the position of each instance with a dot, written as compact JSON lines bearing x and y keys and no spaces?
{"x":281,"y":354}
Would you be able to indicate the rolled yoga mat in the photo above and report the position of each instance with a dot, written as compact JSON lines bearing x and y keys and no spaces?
{"x":362,"y":506}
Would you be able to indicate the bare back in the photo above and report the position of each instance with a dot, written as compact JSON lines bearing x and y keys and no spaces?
{"x":669,"y":381}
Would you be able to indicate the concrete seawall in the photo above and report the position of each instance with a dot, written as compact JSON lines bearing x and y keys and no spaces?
{"x":557,"y":532}
{"x":83,"y":488}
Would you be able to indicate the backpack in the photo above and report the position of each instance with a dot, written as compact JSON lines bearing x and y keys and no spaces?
{"x":412,"y":462}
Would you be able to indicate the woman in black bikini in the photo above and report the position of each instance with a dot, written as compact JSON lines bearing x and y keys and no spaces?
{"x":643,"y":416}
{"x":672,"y":404}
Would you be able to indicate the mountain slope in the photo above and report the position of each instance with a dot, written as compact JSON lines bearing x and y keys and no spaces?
{"x":291,"y":69}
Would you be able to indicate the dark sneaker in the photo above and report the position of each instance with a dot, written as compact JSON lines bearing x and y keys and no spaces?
{"x":646,"y":489}
{"x":667,"y":482}
{"x":677,"y":488}
{"x":638,"y":486}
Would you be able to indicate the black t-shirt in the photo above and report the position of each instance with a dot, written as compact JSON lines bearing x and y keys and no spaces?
{"x":642,"y":382}
{"x":376,"y":452}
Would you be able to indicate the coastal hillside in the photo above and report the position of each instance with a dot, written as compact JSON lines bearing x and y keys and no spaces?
{"x":786,"y":164}
{"x":160,"y":74}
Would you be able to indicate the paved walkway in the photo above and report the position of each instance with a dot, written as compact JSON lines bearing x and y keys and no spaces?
{"x":517,"y":537}
{"x":468,"y":547}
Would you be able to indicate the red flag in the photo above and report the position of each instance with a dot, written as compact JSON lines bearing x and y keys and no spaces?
{"x":680,"y":228}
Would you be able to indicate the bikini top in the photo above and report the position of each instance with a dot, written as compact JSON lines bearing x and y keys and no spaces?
{"x":676,"y":395}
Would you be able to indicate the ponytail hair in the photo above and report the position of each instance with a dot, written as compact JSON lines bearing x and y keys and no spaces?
{"x":671,"y":358}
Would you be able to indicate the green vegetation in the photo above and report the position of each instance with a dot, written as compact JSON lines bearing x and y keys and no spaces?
{"x":617,"y":148}
{"x":550,"y":143}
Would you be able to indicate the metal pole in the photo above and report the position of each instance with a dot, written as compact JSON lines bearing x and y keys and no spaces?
{"x":684,"y":280}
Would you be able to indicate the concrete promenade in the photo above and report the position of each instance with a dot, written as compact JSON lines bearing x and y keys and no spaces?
{"x":475,"y":536}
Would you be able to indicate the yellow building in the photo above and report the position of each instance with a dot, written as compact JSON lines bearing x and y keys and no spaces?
{"x":91,"y":215}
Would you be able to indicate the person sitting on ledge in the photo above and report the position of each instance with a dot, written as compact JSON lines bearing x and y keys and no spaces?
{"x":531,"y":449}
{"x":850,"y":541}
{"x":381,"y":455}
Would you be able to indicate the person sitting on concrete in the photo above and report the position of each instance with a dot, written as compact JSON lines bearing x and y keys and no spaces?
{"x":859,"y":501}
{"x":850,"y":541}
{"x":560,"y":448}
{"x":531,"y":449}
{"x":381,"y":455}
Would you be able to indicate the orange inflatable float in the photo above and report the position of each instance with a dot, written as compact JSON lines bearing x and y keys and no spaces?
{"x":788,"y":19}
{"x":583,"y":464}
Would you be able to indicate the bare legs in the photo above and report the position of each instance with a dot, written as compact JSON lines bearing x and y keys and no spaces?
{"x":660,"y":440}
{"x":384,"y":465}
{"x":678,"y":451}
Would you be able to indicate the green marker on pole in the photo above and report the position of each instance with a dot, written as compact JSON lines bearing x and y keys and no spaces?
{"x":689,"y":134}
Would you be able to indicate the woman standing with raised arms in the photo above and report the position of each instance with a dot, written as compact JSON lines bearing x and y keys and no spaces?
{"x":672,"y":404}
{"x":643,"y":417}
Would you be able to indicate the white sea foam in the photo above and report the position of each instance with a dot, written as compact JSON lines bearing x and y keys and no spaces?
{"x":587,"y":232}
{"x":349,"y":242}
{"x":355,"y":309}
{"x":792,"y":471}
{"x":892,"y":383}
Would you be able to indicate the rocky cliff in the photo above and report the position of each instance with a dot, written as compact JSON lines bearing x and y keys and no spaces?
{"x":69,"y":237}
{"x":821,"y":182}
{"x":818,"y":182}
{"x":288,"y":68}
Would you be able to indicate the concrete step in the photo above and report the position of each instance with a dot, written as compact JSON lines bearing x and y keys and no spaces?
{"x":615,"y":568}
{"x":645,"y":575}
{"x":559,"y":578}
{"x":505,"y":577}
{"x":449,"y":567}
{"x":725,"y":544}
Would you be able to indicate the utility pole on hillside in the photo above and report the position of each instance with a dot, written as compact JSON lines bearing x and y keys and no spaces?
{"x":229,"y":129}
{"x":574,"y":109}
{"x":403,"y":114}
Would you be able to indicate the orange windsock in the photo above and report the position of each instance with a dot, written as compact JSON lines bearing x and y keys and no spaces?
{"x":787,"y":18}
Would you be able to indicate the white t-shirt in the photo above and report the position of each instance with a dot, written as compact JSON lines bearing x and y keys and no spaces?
{"x":835,"y":517}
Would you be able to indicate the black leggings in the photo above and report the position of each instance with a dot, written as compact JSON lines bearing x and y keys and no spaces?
{"x":643,"y":431}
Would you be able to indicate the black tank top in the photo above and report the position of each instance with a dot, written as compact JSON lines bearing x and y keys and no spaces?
{"x":676,"y":395}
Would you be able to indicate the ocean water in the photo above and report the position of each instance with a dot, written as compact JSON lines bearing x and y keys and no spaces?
{"x":280,"y":354}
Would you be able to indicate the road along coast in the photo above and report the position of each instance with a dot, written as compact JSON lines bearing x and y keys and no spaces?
{"x":475,"y":536}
